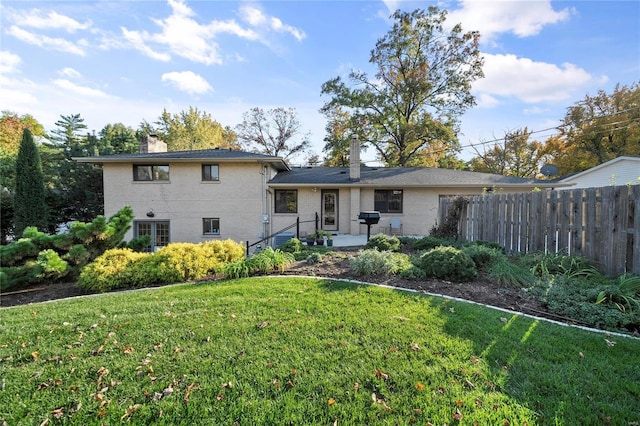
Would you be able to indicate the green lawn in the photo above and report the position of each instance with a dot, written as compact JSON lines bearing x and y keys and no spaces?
{"x":302,"y":351}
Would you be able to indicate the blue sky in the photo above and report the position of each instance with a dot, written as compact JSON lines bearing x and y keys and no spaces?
{"x":124,"y":61}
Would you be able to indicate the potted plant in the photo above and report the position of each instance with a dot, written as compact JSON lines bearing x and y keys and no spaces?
{"x":329,"y":240}
{"x":320,"y":237}
{"x":311,"y":239}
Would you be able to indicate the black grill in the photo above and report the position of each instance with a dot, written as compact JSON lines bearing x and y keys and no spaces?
{"x":369,"y":218}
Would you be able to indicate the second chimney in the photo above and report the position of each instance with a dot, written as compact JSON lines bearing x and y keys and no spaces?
{"x":354,"y":159}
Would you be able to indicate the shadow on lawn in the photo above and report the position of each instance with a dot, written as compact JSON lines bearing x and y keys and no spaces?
{"x":564,"y":375}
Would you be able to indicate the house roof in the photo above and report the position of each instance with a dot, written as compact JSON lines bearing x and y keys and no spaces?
{"x":217,"y":154}
{"x":609,"y":163}
{"x":400,"y":177}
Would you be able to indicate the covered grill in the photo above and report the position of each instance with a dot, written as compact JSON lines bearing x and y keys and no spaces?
{"x":369,"y":218}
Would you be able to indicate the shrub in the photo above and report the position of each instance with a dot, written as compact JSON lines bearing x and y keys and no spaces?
{"x":483,"y":256}
{"x":293,"y":246}
{"x":314,"y":258}
{"x":237,"y":269}
{"x":448,"y":263}
{"x":544,"y":264}
{"x":51,"y":263}
{"x":625,"y":294}
{"x":109,"y":271}
{"x":264,"y":262}
{"x":139,"y":244}
{"x":449,"y":227}
{"x":383,"y":242}
{"x":574,"y":298}
{"x":374,"y":262}
{"x":505,"y":272}
{"x":428,"y":243}
{"x":96,"y":237}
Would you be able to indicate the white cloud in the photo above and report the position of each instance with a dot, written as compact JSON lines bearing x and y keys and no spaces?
{"x":37,"y":19}
{"x":16,"y":94}
{"x":46,"y":42}
{"x":9,"y":62}
{"x":136,"y":40}
{"x":256,"y":18}
{"x":184,"y":36}
{"x":188,"y":81}
{"x":529,"y":81}
{"x":69,"y":72}
{"x":79,"y":90}
{"x":522,"y":18}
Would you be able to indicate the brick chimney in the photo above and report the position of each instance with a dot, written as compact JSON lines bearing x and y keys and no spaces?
{"x":150,"y":144}
{"x":354,"y":159}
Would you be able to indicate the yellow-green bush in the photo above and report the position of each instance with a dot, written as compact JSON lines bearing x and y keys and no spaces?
{"x":112,"y":270}
{"x":177,"y":262}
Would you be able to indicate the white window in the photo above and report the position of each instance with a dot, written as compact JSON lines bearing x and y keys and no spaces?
{"x":211,"y":226}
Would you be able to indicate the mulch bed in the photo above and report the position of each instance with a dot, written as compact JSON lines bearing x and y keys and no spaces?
{"x":336,"y":265}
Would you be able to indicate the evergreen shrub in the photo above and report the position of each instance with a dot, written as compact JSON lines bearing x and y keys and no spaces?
{"x":448,"y":263}
{"x":383,"y":242}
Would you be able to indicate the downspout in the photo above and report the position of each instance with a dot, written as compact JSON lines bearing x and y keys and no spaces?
{"x":265,"y":204}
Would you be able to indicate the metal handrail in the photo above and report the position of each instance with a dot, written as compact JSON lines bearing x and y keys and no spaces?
{"x":296,"y":224}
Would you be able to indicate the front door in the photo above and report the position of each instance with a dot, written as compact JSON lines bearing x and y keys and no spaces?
{"x":330,"y":209}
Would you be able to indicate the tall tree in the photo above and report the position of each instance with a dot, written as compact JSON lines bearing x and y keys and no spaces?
{"x":190,"y":130}
{"x":30,"y":208}
{"x":338,"y":137}
{"x":600,"y":128}
{"x":118,"y":139}
{"x":273,"y":132}
{"x":75,"y":189}
{"x":515,"y":155}
{"x":409,"y":111}
{"x":12,"y":128}
{"x":68,"y":134}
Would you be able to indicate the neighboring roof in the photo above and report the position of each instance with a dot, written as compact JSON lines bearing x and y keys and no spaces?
{"x":400,"y":177}
{"x":600,"y":166}
{"x":217,"y":154}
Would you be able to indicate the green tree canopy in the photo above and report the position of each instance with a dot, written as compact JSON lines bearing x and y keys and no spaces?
{"x":190,"y":130}
{"x":515,"y":155}
{"x":409,"y":111}
{"x":30,"y":208}
{"x":273,"y":132}
{"x":118,"y":139}
{"x":600,"y":128}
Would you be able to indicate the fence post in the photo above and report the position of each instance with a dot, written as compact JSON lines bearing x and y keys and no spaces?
{"x":298,"y":227}
{"x":317,"y":220}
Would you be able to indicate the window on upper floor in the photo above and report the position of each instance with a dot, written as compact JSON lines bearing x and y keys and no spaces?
{"x":211,"y":226}
{"x":388,"y":200}
{"x":146,"y":172}
{"x":286,"y":201}
{"x":210,"y":173}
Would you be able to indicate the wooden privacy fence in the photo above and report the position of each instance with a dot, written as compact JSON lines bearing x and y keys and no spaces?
{"x":600,"y":224}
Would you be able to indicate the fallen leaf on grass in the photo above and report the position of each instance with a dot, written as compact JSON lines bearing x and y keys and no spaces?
{"x":263,"y":324}
{"x":58,"y":413}
{"x":331,"y":401}
{"x":129,"y":411}
{"x":420,"y":386}
{"x":192,"y":386}
{"x":383,"y":376}
{"x":610,"y":342}
{"x":457,"y":416}
{"x":414,"y":347}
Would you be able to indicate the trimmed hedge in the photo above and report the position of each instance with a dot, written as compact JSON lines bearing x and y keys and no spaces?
{"x":177,"y":262}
